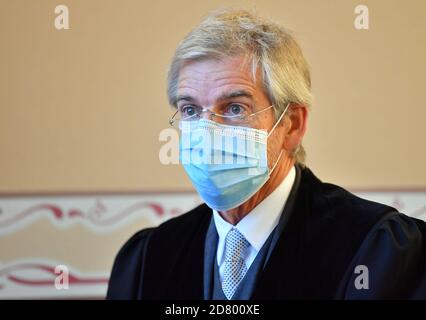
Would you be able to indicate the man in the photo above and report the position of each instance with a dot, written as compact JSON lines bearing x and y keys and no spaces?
{"x":269,"y":228}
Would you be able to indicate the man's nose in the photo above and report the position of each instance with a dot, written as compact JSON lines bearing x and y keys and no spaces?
{"x":209,"y":114}
{"x":206,"y":114}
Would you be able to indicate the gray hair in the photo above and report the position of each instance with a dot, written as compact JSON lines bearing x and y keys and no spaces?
{"x":271,"y":48}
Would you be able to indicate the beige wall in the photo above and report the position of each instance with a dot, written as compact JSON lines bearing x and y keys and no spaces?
{"x":81,"y":109}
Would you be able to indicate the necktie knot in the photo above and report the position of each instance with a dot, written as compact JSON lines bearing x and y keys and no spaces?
{"x":235,"y":245}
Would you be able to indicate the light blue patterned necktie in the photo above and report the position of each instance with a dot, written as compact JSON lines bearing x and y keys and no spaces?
{"x":235,"y":268}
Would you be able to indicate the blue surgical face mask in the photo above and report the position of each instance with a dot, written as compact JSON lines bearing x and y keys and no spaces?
{"x":226,"y":164}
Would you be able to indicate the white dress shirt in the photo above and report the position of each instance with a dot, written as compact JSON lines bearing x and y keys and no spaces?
{"x":257,"y":225}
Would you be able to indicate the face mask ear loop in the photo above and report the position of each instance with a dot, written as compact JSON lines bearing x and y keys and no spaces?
{"x":276,"y":162}
{"x":279,"y":119}
{"x":281,"y":153}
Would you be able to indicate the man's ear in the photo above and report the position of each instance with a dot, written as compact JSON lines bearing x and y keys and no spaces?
{"x":295,"y":124}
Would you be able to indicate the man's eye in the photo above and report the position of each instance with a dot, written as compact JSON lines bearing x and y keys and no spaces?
{"x":235,"y":110}
{"x":188,"y":111}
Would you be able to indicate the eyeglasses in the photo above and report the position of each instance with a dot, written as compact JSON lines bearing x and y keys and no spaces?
{"x":234,"y":114}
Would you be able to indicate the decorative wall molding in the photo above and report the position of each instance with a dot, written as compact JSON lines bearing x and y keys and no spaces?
{"x":411,"y":203}
{"x":96,"y":212}
{"x":33,"y":277}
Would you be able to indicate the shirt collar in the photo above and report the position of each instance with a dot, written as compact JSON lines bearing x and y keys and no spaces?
{"x":258,"y":224}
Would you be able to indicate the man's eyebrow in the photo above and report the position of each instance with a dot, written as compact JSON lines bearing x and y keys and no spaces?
{"x":225,"y":96}
{"x":236,"y":94}
{"x":184,"y":97}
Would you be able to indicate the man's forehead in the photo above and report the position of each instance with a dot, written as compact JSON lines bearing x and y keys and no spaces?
{"x":210,"y":69}
{"x":228,"y":77}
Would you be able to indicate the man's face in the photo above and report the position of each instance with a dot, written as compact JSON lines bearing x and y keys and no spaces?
{"x":220,"y":84}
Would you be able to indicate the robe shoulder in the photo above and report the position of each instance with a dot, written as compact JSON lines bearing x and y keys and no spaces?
{"x":127,"y":272}
{"x":391,"y":262}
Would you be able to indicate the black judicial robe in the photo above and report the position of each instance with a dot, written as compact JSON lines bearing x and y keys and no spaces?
{"x":328,"y":232}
